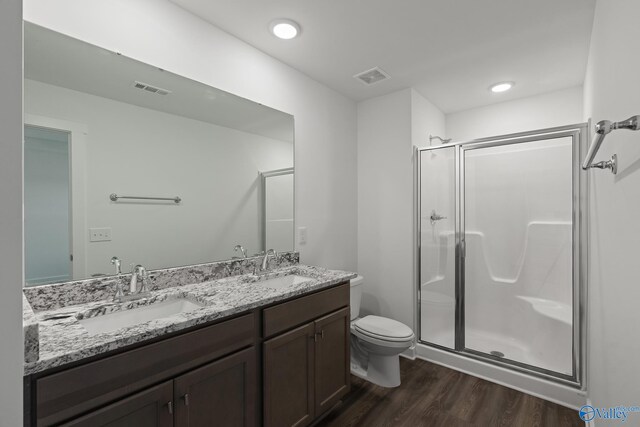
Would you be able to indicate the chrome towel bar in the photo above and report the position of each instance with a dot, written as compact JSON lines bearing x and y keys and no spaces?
{"x":114,"y":197}
{"x":603,"y":128}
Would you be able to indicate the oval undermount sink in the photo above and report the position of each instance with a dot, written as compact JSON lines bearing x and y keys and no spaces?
{"x":284,"y":281}
{"x":135,"y":316}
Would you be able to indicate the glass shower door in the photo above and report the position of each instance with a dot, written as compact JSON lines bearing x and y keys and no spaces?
{"x":518,"y":236}
{"x":437,"y":240}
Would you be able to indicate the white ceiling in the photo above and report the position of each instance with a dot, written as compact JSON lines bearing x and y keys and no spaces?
{"x":448,"y":50}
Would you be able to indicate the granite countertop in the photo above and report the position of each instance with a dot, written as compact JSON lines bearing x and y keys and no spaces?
{"x":62,"y":339}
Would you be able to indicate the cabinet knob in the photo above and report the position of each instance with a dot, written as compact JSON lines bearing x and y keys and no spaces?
{"x":170,"y":406}
{"x":186,"y":399}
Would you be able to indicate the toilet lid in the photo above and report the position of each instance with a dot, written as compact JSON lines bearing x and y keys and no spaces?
{"x":383,"y":328}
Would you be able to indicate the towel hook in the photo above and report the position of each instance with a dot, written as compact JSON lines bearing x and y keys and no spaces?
{"x":604,"y":128}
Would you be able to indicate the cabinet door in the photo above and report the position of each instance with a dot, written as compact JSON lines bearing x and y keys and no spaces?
{"x":149,"y":408}
{"x":332,"y":353}
{"x":221,"y":394}
{"x":288,"y":378}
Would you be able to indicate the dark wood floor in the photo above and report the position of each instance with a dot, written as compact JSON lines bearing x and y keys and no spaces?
{"x":431,"y":395}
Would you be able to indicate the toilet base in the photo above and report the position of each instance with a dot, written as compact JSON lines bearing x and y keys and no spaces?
{"x":381,"y":370}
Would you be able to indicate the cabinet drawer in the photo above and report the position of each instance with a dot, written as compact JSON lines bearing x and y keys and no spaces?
{"x":290,"y":314}
{"x":77,"y":390}
{"x":149,"y":408}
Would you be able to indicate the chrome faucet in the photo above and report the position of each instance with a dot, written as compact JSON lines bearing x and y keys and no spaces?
{"x":138,"y":276}
{"x":241,"y":249}
{"x":138,"y":273}
{"x":117,"y":264}
{"x":265,"y":261}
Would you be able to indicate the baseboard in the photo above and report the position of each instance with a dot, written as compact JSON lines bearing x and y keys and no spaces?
{"x":590,"y":423}
{"x":409,"y":354}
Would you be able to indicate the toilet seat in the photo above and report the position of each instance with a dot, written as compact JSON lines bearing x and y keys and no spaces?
{"x":383,"y":329}
{"x":381,"y":342}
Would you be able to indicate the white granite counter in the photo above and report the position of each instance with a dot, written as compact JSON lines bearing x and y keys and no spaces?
{"x":62,"y":338}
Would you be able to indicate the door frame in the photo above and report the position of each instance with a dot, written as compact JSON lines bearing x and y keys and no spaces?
{"x":580,"y":183}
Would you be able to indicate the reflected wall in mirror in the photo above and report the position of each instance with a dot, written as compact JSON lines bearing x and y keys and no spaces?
{"x":98,"y":123}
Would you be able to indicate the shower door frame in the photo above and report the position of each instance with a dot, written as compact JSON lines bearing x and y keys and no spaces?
{"x":263,"y":202}
{"x":580,"y":202}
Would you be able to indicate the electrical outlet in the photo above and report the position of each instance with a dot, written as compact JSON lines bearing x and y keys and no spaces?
{"x":100,"y":234}
{"x":302,"y":235}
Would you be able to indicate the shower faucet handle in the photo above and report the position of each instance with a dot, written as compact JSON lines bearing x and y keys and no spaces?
{"x":435,"y":217}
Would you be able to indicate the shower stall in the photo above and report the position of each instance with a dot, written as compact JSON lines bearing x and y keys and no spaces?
{"x":501,"y":251}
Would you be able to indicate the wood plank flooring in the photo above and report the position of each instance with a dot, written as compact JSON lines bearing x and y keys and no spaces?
{"x":432,"y":395}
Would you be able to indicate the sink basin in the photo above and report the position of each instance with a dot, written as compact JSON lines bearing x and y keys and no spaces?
{"x":284,"y":281}
{"x":135,"y":316}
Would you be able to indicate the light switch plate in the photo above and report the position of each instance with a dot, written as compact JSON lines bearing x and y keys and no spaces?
{"x":100,"y":234}
{"x":302,"y":235}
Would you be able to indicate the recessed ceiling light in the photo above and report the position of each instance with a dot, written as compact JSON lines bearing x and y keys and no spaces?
{"x":501,"y":87}
{"x":284,"y":28}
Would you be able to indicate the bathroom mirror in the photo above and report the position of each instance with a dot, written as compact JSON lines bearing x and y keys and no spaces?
{"x":126,"y":160}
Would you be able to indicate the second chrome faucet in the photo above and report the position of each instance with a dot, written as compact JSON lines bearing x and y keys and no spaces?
{"x":264,"y":265}
{"x":137,"y":285}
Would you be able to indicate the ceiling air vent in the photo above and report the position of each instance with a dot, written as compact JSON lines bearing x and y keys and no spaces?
{"x":372,"y":76}
{"x":152,"y":89}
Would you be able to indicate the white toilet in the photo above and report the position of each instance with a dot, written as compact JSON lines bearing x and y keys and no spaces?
{"x":376,"y":343}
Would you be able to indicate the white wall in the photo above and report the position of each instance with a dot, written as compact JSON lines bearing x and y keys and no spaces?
{"x":612,"y":93}
{"x":560,"y":108}
{"x":164,"y":35}
{"x":11,"y":260}
{"x":426,"y":119}
{"x":132,"y":150}
{"x":388,"y":128}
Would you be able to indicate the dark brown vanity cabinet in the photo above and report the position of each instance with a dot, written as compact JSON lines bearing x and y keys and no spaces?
{"x":306,"y":370}
{"x":298,"y":350}
{"x":221,"y":393}
{"x":210,"y":370}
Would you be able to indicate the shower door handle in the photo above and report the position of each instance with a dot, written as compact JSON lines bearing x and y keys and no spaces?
{"x":435,"y":217}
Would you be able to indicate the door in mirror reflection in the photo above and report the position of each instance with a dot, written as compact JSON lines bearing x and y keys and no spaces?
{"x":47,"y":215}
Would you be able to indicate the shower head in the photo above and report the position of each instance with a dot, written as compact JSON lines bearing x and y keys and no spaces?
{"x":444,"y":141}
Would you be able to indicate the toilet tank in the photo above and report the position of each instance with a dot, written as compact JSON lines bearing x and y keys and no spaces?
{"x":356,"y":296}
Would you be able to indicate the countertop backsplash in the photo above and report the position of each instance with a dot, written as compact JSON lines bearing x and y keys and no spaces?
{"x":51,"y":297}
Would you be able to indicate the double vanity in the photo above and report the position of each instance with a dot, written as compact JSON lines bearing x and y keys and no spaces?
{"x":209,"y":345}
